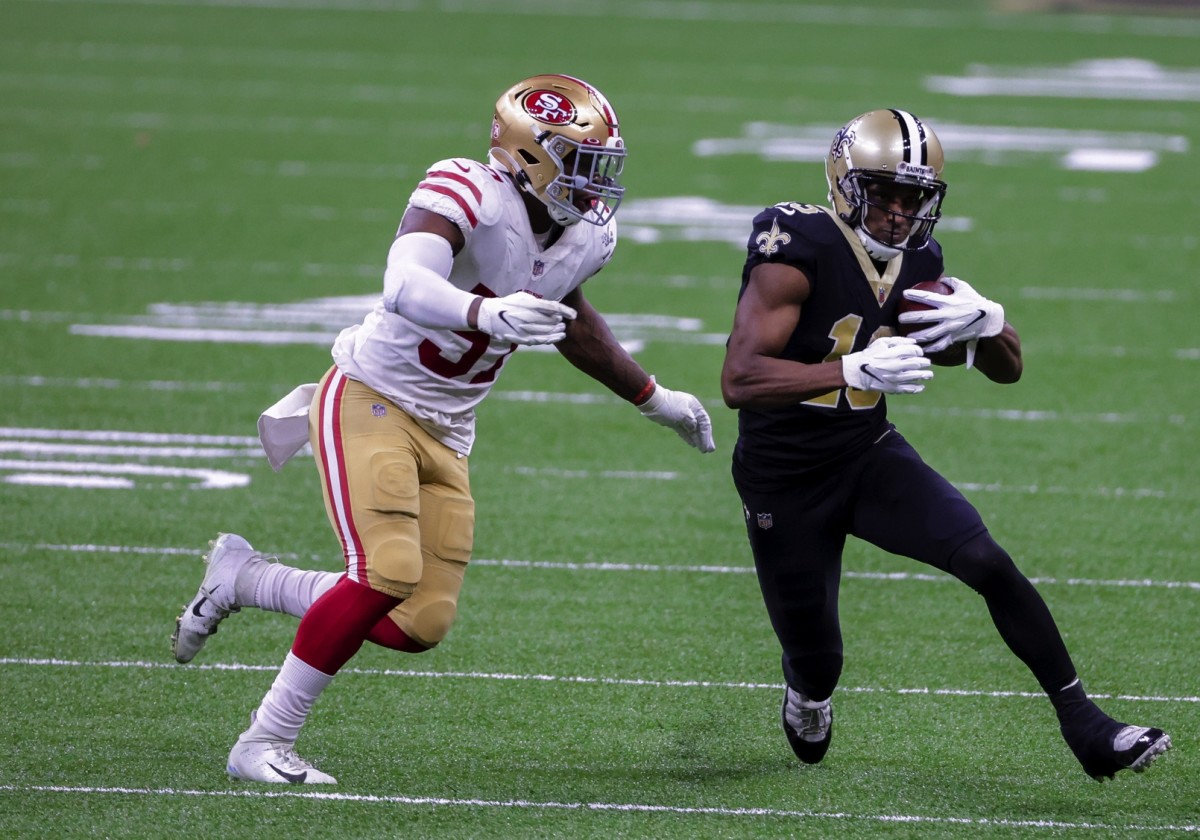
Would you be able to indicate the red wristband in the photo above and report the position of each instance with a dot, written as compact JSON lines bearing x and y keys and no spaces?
{"x":645,"y":393}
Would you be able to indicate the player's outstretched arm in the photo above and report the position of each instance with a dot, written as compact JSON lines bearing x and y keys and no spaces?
{"x":590,"y":346}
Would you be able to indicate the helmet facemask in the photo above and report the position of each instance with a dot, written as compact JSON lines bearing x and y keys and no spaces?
{"x":588,"y":185}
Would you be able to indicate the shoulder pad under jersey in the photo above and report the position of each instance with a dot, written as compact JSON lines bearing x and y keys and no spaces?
{"x":784,"y":232}
{"x":464,"y":191}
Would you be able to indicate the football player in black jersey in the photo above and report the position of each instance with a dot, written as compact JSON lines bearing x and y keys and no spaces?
{"x":812,"y":353}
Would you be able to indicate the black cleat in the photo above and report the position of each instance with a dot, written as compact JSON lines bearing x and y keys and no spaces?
{"x":808,"y":725}
{"x":1128,"y":748}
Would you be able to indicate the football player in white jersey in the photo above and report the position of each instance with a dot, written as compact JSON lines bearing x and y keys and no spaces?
{"x":488,"y":256}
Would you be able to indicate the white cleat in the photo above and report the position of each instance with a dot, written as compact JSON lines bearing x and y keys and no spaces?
{"x":273,"y":762}
{"x":215,"y":600}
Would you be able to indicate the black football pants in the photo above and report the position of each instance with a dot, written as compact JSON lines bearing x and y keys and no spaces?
{"x":891,"y":498}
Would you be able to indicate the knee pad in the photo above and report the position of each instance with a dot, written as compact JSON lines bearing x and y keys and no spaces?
{"x":394,"y":553}
{"x":429,"y":622}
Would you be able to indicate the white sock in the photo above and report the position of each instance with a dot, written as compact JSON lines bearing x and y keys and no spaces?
{"x":286,"y":705}
{"x":280,"y":588}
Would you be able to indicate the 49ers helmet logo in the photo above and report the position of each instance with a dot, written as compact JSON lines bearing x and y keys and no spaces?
{"x":549,"y":107}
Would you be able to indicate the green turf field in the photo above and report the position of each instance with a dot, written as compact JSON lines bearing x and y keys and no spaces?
{"x":196,"y":196}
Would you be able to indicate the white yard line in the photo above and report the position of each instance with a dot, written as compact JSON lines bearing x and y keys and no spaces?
{"x":568,"y":566}
{"x":1055,"y":826}
{"x":578,"y":679}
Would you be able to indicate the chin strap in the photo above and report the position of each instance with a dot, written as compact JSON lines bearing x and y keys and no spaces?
{"x":877,"y":249}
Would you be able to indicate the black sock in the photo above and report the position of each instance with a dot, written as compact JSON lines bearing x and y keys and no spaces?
{"x":1075,"y":709}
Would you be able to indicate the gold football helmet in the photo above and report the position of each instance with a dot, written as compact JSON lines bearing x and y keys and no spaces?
{"x":880,"y":151}
{"x":558,"y":136}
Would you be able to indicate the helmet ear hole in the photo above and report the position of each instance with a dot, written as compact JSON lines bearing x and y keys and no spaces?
{"x":527,"y":157}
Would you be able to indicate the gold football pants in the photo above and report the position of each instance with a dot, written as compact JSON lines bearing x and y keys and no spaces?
{"x":398,"y":500}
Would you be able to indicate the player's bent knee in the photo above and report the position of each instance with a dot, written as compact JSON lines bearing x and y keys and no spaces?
{"x":983,"y":565}
{"x":432,"y":621}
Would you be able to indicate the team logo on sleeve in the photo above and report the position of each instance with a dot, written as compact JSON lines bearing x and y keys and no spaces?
{"x":549,"y":107}
{"x":769,"y":241}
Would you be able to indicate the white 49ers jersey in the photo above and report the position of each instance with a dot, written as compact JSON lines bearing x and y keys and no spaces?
{"x":439,"y":376}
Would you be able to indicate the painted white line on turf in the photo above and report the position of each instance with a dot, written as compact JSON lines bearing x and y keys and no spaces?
{"x":597,"y":398}
{"x":620,"y":807}
{"x":920,"y":577}
{"x":577,"y":680}
{"x":201,"y":478}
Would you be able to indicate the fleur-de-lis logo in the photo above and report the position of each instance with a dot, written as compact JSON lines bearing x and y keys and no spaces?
{"x":769,"y":241}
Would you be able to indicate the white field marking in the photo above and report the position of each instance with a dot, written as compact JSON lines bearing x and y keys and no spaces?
{"x":126,"y":437}
{"x":919,"y":577}
{"x":103,"y":450}
{"x":993,"y":145}
{"x":554,"y":472}
{"x":1105,"y":78}
{"x":205,"y":479}
{"x":318,"y":321}
{"x":619,"y":807}
{"x":744,"y":12}
{"x":595,"y":398}
{"x":36,"y":445}
{"x":88,"y":482}
{"x":575,"y":679}
{"x":1038,"y":416}
{"x":1104,"y":295}
{"x":203,"y":335}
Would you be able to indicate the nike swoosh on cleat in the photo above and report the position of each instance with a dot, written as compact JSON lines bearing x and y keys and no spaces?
{"x":294,"y":778}
{"x":196,"y":607}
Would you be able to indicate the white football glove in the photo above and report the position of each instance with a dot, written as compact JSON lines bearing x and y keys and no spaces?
{"x":524,"y":319}
{"x":683,"y":413}
{"x":894,"y":364}
{"x":965,"y":315}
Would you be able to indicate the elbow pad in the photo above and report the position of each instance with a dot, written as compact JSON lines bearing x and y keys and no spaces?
{"x":415,"y":284}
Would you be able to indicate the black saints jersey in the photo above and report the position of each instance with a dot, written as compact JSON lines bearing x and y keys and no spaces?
{"x":852,"y":302}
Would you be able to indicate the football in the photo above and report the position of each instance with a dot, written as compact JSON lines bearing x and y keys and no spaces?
{"x":907,"y":305}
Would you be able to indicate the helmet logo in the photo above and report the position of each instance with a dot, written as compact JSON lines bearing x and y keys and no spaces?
{"x":549,"y":107}
{"x":842,"y":142}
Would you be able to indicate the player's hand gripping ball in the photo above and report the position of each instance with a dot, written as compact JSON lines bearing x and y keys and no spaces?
{"x":906,"y":305}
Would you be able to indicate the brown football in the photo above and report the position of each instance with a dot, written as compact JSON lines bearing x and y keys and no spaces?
{"x":907,"y":305}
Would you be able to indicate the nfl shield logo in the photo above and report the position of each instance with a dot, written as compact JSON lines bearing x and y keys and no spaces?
{"x":538,"y":268}
{"x":765,"y":521}
{"x":378,"y":410}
